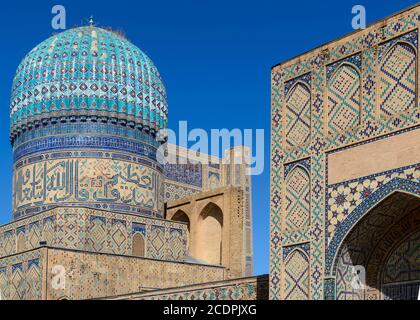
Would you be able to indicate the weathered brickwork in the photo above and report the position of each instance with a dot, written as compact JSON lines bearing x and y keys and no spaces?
{"x":344,"y":137}
{"x":92,"y":275}
{"x":216,"y":227}
{"x":255,"y":288}
{"x":211,"y":173}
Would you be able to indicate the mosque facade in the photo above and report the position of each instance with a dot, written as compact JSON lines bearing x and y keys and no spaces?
{"x":95,"y":214}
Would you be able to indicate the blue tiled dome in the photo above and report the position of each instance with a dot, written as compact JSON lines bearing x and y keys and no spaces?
{"x":87,"y":73}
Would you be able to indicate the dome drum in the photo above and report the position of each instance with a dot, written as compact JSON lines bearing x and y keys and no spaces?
{"x":85,"y":110}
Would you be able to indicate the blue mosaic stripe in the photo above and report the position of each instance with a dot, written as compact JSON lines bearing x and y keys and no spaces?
{"x":33,"y":262}
{"x":24,"y":212}
{"x":85,"y":128}
{"x":139,"y":228}
{"x":84,"y":142}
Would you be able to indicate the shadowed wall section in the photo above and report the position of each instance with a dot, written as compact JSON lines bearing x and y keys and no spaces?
{"x":217,"y":227}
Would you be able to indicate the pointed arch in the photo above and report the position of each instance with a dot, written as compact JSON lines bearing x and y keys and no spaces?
{"x":210,"y":234}
{"x":398,"y":74}
{"x":342,"y":231}
{"x":344,"y":99}
{"x":181,"y":216}
{"x":139,"y":245}
{"x":20,"y":242}
{"x":368,"y":245}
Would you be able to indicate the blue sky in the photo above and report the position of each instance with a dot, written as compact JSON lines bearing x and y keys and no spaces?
{"x":214,"y":56}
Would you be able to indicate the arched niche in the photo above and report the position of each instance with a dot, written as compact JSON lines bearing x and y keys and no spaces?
{"x":139,"y":246}
{"x":210,"y":234}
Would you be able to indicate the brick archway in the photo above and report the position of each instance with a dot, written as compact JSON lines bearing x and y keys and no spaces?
{"x":210,"y":234}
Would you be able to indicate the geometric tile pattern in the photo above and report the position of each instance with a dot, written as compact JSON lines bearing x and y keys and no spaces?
{"x":4,"y":288}
{"x":97,"y":239}
{"x":184,"y":172}
{"x":297,"y":199}
{"x":17,"y":289}
{"x":343,"y":198}
{"x":49,"y":228}
{"x":97,"y":231}
{"x":343,"y":99}
{"x":329,"y":289}
{"x":139,"y":228}
{"x":345,"y":275}
{"x":33,"y":237}
{"x":21,"y":276}
{"x":276,"y":184}
{"x":297,"y":276}
{"x":354,"y":61}
{"x":174,"y":191}
{"x":57,"y":139}
{"x":298,"y":123}
{"x":304,"y":247}
{"x":366,"y":206}
{"x":71,"y":235}
{"x":398,"y":80}
{"x":9,"y":242}
{"x":32,"y":278}
{"x":158,"y":242}
{"x":119,"y":237}
{"x":177,"y":244}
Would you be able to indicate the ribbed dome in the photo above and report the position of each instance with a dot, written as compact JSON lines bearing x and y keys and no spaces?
{"x":87,"y":73}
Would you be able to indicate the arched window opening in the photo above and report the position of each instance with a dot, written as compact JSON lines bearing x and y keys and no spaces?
{"x":138,"y":245}
{"x":209,"y":235}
